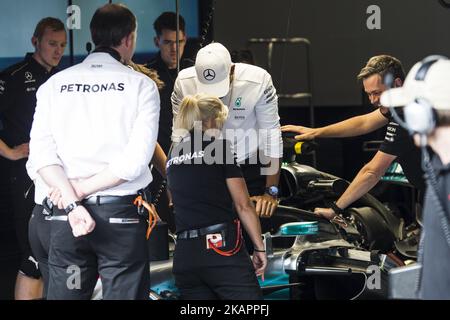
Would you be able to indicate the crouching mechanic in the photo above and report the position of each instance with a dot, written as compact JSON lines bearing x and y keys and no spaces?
{"x":426,"y":97}
{"x":93,"y":135}
{"x":253,"y":121}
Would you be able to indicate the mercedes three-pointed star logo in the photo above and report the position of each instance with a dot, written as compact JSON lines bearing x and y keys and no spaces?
{"x":209,"y":74}
{"x":28,"y":75}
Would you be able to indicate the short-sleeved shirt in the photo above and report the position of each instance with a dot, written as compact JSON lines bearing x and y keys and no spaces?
{"x":196,"y":174}
{"x":436,"y":251}
{"x":399,"y":143}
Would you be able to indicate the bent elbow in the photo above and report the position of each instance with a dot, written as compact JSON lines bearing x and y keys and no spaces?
{"x":373,"y":174}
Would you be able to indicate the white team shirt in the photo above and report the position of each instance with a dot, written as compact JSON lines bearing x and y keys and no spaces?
{"x":252,"y":103}
{"x":95,"y":115}
{"x":40,"y":190}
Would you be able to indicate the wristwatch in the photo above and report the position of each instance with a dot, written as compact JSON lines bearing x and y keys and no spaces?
{"x":272,"y":191}
{"x":336,"y":209}
{"x":72,"y":206}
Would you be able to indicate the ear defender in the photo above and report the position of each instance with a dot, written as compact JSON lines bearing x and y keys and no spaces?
{"x":420,"y":116}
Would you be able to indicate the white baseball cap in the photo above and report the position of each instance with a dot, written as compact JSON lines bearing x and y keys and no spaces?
{"x":213,"y":64}
{"x":435,"y":87}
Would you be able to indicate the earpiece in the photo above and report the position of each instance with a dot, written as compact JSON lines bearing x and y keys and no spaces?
{"x":420,"y":116}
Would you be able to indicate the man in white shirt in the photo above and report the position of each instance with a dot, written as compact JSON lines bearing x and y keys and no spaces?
{"x":253,"y":123}
{"x":93,"y":136}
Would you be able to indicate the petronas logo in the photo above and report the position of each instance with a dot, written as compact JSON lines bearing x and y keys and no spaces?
{"x":237,"y":103}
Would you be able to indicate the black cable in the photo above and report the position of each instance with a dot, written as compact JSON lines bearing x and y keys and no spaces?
{"x":388,"y":81}
{"x":177,"y":40}
{"x":288,"y":24}
{"x":159,"y":193}
{"x":71,"y":48}
{"x":434,"y":192}
{"x":207,"y":23}
{"x":444,"y":3}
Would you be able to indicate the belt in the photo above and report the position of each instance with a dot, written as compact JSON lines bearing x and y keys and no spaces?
{"x":99,"y":200}
{"x":56,"y":218}
{"x":195,"y":233}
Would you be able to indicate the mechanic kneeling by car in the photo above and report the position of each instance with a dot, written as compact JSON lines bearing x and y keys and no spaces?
{"x":210,"y":259}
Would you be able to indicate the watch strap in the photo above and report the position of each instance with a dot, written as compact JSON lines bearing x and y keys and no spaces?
{"x":336,"y":209}
{"x":72,"y":206}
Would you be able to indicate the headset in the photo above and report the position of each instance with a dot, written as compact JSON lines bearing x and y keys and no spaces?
{"x":420,"y":117}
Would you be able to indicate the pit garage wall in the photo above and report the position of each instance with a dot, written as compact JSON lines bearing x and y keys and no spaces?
{"x":21,"y":16}
{"x":341,"y":45}
{"x":341,"y":41}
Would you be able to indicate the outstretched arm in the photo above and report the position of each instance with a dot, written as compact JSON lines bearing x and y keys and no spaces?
{"x":352,"y":127}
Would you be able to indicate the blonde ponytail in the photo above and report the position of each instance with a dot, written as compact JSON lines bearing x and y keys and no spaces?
{"x":151,"y":73}
{"x":187,"y":118}
{"x":196,"y":110}
{"x":222,"y":116}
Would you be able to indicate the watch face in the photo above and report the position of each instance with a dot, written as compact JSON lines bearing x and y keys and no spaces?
{"x":273,"y":191}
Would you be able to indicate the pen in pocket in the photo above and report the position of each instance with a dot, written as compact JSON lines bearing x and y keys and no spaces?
{"x":124,"y":220}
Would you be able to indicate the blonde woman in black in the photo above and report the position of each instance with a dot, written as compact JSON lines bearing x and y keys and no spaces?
{"x":212,"y":206}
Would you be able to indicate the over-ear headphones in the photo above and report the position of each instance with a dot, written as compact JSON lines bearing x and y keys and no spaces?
{"x":420,"y":117}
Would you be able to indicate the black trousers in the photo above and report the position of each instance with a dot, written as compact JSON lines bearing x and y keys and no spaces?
{"x":202,"y":274}
{"x":116,"y":252}
{"x":22,"y":190}
{"x":39,"y":235}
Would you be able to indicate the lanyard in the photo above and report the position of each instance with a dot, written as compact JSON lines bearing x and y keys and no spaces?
{"x":237,"y":246}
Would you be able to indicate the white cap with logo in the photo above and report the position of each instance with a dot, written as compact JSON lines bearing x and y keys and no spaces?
{"x":213,"y":65}
{"x":435,"y":87}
